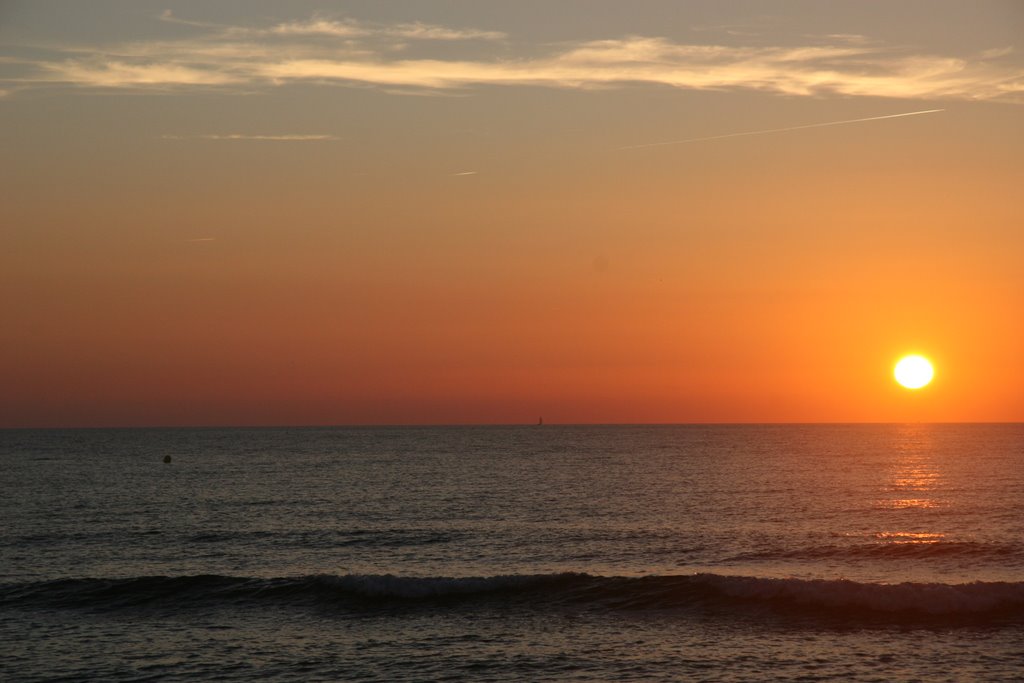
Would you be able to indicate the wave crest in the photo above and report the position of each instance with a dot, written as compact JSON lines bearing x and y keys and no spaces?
{"x":894,"y":550}
{"x":705,"y":592}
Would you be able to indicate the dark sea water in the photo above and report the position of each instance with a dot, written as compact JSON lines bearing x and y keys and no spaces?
{"x":704,"y":553}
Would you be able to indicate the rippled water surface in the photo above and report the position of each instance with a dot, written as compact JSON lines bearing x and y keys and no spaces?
{"x":868,"y":552}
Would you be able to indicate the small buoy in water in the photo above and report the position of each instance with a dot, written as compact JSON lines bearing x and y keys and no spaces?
{"x":167,"y":459}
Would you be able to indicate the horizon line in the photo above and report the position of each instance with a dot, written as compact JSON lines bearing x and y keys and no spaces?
{"x":397,"y":425}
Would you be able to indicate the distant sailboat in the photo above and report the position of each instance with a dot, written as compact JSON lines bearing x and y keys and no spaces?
{"x":540,"y":421}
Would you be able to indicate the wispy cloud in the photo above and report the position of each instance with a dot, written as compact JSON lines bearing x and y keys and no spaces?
{"x":320,"y":25}
{"x":781,"y":130}
{"x":243,"y":136}
{"x":348,"y":28}
{"x":169,"y":17}
{"x":465,"y":173}
{"x":113,"y":73}
{"x":342,"y":52}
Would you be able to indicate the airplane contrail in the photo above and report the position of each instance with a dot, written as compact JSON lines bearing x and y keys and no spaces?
{"x":781,"y":130}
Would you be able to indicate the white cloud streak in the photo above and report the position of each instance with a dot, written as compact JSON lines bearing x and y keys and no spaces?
{"x":242,"y":136}
{"x":341,"y":52}
{"x":781,"y":130}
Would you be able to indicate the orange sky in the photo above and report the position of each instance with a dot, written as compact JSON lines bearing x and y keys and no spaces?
{"x":426,"y":215}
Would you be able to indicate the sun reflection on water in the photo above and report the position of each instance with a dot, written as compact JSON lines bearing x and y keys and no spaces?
{"x":914,"y":473}
{"x":898,"y":537}
{"x":914,"y":482}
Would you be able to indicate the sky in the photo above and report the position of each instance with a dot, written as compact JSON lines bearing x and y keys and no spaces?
{"x":457,"y":212}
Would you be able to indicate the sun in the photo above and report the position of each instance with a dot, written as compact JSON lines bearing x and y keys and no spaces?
{"x":914,"y":371}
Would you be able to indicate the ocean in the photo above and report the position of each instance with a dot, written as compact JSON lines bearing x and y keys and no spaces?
{"x":514,"y":553}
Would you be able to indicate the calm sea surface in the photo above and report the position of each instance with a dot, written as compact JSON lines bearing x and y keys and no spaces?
{"x":705,"y":553}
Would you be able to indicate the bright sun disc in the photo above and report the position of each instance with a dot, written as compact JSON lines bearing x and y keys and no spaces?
{"x":914,"y":372}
